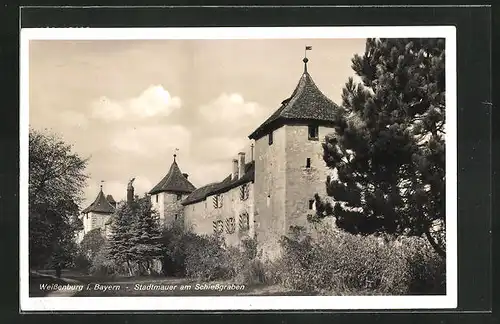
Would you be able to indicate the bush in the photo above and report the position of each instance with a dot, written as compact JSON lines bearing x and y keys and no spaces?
{"x":243,"y":264}
{"x":82,"y":263}
{"x":103,"y":264}
{"x":207,"y":258}
{"x":341,"y":263}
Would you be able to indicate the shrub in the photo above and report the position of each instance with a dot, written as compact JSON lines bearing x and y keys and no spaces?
{"x":341,"y":263}
{"x":207,"y":259}
{"x":103,"y":264}
{"x":82,"y":263}
{"x":243,"y":265}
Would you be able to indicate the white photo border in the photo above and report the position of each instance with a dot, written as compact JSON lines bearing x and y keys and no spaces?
{"x":216,"y":303}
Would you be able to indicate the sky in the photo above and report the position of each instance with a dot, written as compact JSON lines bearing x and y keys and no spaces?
{"x":129,"y":104}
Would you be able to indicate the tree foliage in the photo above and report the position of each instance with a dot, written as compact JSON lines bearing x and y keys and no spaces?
{"x":387,"y":155}
{"x":92,"y":242}
{"x":136,"y":234}
{"x":56,"y":181}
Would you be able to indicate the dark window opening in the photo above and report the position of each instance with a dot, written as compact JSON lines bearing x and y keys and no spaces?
{"x":308,"y":162}
{"x":230,"y":225}
{"x":313,"y":132}
{"x":179,"y":196}
{"x":311,"y":204}
{"x":175,"y":217}
{"x":244,"y":221}
{"x":270,"y":138}
{"x":218,"y":227}
{"x":217,"y":201}
{"x":156,"y":198}
{"x":244,"y":192}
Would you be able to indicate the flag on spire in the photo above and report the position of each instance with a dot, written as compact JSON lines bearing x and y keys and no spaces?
{"x":308,"y":48}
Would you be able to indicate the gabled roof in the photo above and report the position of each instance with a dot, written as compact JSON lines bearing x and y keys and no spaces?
{"x":307,"y":103}
{"x":220,"y":187}
{"x":100,"y":205}
{"x":174,"y":181}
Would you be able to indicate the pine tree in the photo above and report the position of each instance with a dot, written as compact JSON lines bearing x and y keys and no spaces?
{"x":146,"y":238}
{"x":121,"y":239}
{"x":387,"y":155}
{"x":136,"y":234}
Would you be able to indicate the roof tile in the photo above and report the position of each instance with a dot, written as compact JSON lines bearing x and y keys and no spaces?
{"x":307,"y":102}
{"x":100,"y":205}
{"x":174,"y":181}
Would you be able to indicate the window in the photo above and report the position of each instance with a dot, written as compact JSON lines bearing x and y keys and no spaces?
{"x":244,"y":221}
{"x":176,"y":216}
{"x":156,"y":198}
{"x":230,"y":225}
{"x":244,"y":191}
{"x":313,"y":132}
{"x":217,"y":201}
{"x":270,"y":138}
{"x":308,"y":162}
{"x":179,"y":196}
{"x":86,"y":216}
{"x":218,"y":227}
{"x":311,"y":204}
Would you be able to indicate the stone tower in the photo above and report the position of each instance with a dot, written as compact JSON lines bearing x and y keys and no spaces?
{"x":289,"y":166}
{"x":99,"y":213}
{"x":167,"y":195}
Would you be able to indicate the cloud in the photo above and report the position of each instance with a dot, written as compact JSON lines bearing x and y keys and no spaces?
{"x":155,"y":101}
{"x":151,"y":141}
{"x":222,"y":148}
{"x":233,"y":112}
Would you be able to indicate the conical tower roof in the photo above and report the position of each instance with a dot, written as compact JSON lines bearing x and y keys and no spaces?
{"x":307,"y":103}
{"x":174,"y":181}
{"x":100,"y":205}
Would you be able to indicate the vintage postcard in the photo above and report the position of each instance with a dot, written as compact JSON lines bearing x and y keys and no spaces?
{"x":238,"y":169}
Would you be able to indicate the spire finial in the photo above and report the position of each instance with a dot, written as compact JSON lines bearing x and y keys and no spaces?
{"x":102,"y":182}
{"x":175,"y":153}
{"x":305,"y":60}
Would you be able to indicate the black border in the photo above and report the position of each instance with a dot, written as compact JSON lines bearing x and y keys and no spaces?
{"x":474,"y":141}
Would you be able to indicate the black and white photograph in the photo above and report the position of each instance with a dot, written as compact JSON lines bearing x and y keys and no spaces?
{"x":272,"y":168}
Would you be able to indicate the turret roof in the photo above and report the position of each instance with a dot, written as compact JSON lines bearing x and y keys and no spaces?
{"x":100,"y":205}
{"x":307,"y":103}
{"x":174,"y":181}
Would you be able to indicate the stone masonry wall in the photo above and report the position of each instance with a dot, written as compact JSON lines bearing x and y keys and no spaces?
{"x":168,"y":206}
{"x":173,"y":210}
{"x":301,"y":182}
{"x":270,"y":182}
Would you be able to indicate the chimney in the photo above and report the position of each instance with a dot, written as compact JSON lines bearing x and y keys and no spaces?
{"x":241,"y":164}
{"x":235,"y":169}
{"x":185,"y":175}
